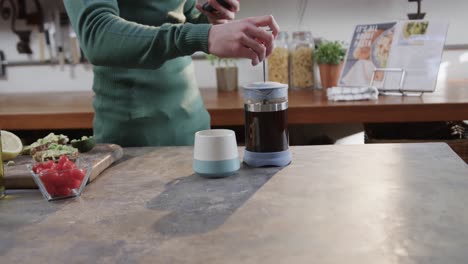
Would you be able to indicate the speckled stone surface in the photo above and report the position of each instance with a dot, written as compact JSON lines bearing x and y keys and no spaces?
{"x":333,"y":204}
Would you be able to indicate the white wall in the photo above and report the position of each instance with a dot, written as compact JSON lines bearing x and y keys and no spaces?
{"x":331,"y":19}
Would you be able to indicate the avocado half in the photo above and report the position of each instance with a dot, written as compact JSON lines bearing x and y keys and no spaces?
{"x":84,"y":144}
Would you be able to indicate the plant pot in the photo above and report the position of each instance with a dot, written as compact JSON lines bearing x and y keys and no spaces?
{"x":329,"y":74}
{"x":226,"y":78}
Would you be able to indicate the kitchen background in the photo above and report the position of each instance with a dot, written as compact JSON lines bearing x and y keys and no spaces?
{"x":331,"y":19}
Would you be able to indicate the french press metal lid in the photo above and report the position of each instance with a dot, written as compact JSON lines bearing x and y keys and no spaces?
{"x":265,"y":97}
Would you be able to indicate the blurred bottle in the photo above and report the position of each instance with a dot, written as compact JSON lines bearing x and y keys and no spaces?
{"x":278,"y":61}
{"x":302,"y":60}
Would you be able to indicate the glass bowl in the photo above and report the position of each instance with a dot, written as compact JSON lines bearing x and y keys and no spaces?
{"x":59,"y":183}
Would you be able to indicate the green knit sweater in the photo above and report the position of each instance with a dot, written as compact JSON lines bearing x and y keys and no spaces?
{"x":144,"y":84}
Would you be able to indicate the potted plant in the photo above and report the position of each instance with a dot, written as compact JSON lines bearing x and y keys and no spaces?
{"x":329,"y":57}
{"x":226,"y":73}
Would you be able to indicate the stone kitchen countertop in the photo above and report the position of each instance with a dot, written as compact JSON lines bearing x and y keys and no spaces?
{"x":393,"y":203}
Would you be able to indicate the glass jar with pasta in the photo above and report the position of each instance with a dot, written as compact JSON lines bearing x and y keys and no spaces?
{"x":302,"y":60}
{"x":278,"y":61}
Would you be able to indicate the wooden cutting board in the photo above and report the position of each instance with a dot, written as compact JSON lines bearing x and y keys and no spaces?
{"x":101,"y":157}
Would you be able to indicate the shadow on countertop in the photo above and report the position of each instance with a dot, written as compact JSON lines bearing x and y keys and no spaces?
{"x":22,"y":208}
{"x":198,"y":205}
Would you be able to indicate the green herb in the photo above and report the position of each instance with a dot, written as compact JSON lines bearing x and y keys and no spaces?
{"x":215,"y":60}
{"x":330,"y":53}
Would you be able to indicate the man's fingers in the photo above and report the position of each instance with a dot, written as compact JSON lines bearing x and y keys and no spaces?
{"x":235,"y":6}
{"x":221,"y":21}
{"x":243,"y":39}
{"x":262,"y":36}
{"x":255,"y":46}
{"x":206,"y":13}
{"x":245,"y":52}
{"x":222,"y":12}
{"x":266,"y":21}
{"x":203,"y":11}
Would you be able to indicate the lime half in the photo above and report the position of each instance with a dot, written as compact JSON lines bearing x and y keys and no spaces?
{"x":11,"y":145}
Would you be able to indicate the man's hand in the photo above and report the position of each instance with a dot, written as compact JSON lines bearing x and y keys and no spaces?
{"x":244,"y":39}
{"x":221,"y":15}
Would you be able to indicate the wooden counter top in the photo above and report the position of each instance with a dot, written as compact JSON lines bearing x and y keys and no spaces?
{"x":366,"y":204}
{"x":70,"y":110}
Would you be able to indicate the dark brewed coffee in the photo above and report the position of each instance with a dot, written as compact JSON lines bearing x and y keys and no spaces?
{"x":266,"y":131}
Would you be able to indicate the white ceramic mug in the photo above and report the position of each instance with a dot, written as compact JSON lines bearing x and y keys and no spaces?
{"x":215,"y":153}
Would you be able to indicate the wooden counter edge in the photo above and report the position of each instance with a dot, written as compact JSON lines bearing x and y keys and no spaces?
{"x":235,"y":117}
{"x":41,"y":121}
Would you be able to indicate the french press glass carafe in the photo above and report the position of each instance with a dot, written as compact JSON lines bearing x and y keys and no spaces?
{"x":266,"y":124}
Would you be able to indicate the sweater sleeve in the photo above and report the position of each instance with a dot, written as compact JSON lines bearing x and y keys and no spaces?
{"x":109,"y":40}
{"x":193,"y":15}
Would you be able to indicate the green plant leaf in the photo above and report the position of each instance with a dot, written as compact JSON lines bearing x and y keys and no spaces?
{"x":217,"y":61}
{"x":330,"y":53}
{"x":212,"y":59}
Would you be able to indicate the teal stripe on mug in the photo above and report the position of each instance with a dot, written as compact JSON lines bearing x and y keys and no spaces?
{"x":216,"y":169}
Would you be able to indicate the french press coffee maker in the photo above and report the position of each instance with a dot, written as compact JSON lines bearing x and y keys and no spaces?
{"x":266,"y":124}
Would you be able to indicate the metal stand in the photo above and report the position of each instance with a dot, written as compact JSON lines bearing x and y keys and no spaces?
{"x":2,"y":65}
{"x":402,"y":81}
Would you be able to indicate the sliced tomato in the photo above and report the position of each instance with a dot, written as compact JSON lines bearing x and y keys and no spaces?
{"x":49,"y":164}
{"x":60,"y":178}
{"x":78,"y":174}
{"x":50,"y":177}
{"x":63,"y":159}
{"x":68,"y":165}
{"x":51,"y":189}
{"x":74,"y":184}
{"x":63,"y":191}
{"x":37,"y":166}
{"x":39,"y":170}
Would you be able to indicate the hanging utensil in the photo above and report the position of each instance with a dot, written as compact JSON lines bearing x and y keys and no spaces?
{"x":41,"y":43}
{"x":3,"y":65}
{"x":74,"y":47}
{"x":48,"y":41}
{"x":59,"y":39}
{"x":23,"y":45}
{"x":38,"y":18}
